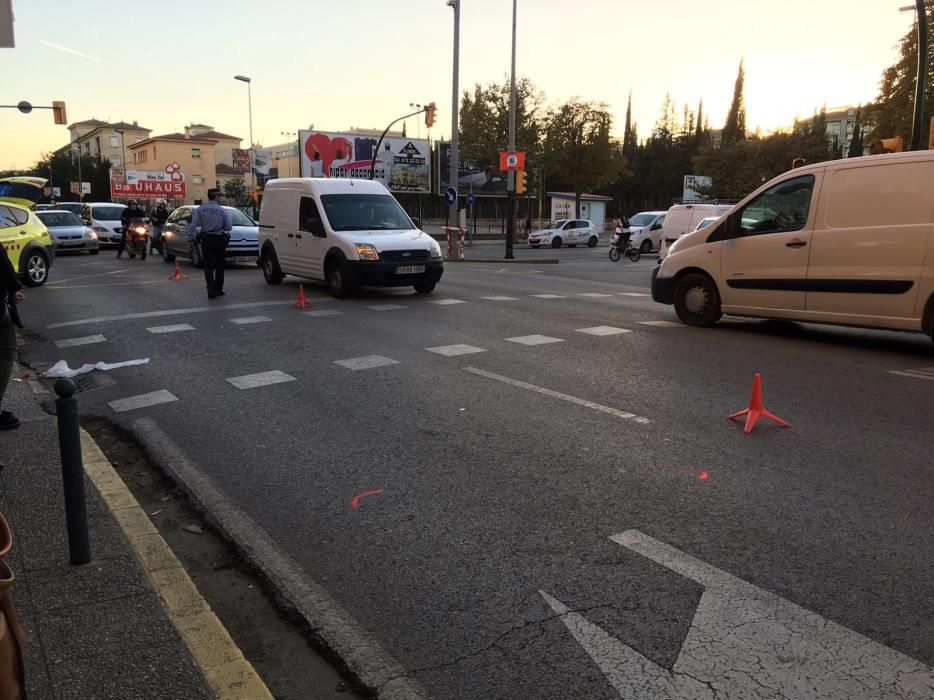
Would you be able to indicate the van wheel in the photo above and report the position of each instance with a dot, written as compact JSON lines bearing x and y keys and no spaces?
{"x":425,"y":287}
{"x":271,"y":270}
{"x":697,"y":301}
{"x":337,"y":280}
{"x":556,"y":242}
{"x":646,"y":247}
{"x":592,"y":243}
{"x":35,"y":269}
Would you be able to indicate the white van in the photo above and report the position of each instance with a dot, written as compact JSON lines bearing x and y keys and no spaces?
{"x":645,"y":229}
{"x":344,"y":232}
{"x":104,"y":219}
{"x":848,"y":242}
{"x":684,"y":218}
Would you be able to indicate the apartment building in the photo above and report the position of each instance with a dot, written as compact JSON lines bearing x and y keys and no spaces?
{"x":106,"y":140}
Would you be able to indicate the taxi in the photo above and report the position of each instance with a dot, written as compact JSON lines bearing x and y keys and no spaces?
{"x":26,"y":239}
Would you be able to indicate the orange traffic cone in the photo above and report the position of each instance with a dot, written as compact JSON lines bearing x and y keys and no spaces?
{"x":756,"y":408}
{"x":178,"y":274}
{"x":301,"y":303}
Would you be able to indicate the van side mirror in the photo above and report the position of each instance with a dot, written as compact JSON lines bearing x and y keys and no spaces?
{"x":727,"y":230}
{"x":655,"y":227}
{"x":417,"y":222}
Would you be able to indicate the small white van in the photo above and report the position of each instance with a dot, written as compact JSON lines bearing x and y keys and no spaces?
{"x":847,"y":242}
{"x":684,"y":218}
{"x":345,"y":232}
{"x":645,"y":229}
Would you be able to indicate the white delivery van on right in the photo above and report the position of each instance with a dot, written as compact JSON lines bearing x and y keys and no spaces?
{"x":847,"y":242}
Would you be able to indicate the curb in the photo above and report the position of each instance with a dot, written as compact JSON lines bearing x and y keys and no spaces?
{"x":331,"y":625}
{"x":229,"y":675}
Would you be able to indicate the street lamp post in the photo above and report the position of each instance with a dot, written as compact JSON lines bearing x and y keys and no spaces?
{"x":511,"y":181}
{"x":249,"y":97}
{"x":80,"y":191}
{"x":123,"y":149}
{"x":918,"y":119}
{"x":454,"y":169}
{"x":289,"y":133}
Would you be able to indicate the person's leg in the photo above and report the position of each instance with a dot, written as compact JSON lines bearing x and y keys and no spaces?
{"x":220,"y":254}
{"x":121,"y":246}
{"x":7,"y":355}
{"x":207,"y":257}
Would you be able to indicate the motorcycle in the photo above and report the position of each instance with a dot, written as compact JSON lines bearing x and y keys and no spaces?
{"x":137,"y":237}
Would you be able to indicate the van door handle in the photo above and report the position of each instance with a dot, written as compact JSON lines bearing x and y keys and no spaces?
{"x":298,"y":235}
{"x":795,"y":244}
{"x":291,"y":235}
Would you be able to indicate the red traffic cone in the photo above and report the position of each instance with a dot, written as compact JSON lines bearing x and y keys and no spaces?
{"x":301,"y":303}
{"x":178,"y":274}
{"x":756,"y":408}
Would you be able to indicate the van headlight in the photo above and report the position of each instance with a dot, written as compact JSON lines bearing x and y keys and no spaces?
{"x":435,"y":249}
{"x":367,"y":251}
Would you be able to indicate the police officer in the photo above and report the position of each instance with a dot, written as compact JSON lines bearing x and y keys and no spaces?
{"x":210,"y":228}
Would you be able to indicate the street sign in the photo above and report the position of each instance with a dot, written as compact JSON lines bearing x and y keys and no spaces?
{"x":470,"y":199}
{"x":56,"y":191}
{"x":85,"y":188}
{"x":74,"y":187}
{"x":512,"y":160}
{"x":450,"y":196}
{"x":47,"y":191}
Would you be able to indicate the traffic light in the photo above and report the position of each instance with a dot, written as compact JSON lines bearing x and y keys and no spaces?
{"x":797,"y":163}
{"x":430,"y":115}
{"x":521,"y":177}
{"x":58,"y":112}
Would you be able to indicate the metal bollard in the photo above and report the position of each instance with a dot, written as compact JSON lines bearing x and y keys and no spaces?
{"x":69,"y":442}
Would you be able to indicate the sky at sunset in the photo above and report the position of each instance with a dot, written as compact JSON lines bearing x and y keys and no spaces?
{"x":359,"y":63}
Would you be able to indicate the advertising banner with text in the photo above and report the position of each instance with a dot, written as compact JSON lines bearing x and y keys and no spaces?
{"x":147,"y":184}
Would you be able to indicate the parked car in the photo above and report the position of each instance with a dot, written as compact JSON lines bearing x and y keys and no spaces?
{"x":68,"y":232}
{"x":26,"y":239}
{"x":645,"y":229}
{"x":569,"y":232}
{"x":846,"y":242}
{"x":346,"y":232}
{"x":684,"y":218}
{"x":104,"y":220}
{"x":242,"y":248}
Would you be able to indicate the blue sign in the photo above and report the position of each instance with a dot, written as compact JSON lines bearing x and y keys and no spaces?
{"x":450,"y":196}
{"x":470,"y":200}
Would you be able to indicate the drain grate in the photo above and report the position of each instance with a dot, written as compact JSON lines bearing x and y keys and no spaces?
{"x":94,"y":380}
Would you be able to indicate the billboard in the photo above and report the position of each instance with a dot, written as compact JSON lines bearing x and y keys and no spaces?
{"x":472,"y":178}
{"x":241,"y":160}
{"x":402,"y":163}
{"x":147,"y":184}
{"x":695,"y":188}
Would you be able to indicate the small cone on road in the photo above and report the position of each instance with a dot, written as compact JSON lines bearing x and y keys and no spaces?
{"x":756,"y":408}
{"x":177,"y":275}
{"x":301,"y":303}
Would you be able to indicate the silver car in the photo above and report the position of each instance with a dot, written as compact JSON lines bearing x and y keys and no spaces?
{"x":242,"y":248}
{"x":68,"y":232}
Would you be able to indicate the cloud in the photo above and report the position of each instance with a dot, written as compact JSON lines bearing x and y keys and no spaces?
{"x":67,"y":50}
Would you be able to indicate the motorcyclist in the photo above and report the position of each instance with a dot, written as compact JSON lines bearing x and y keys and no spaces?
{"x":158,"y":218}
{"x":132,"y":211}
{"x":621,"y":233}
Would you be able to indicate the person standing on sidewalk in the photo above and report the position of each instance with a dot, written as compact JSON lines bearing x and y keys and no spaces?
{"x":9,"y":294}
{"x":210,"y":228}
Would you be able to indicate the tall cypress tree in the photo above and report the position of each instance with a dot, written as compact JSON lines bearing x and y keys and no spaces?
{"x":735,"y":128}
{"x":856,"y":143}
{"x":700,"y":120}
{"x":629,"y":134}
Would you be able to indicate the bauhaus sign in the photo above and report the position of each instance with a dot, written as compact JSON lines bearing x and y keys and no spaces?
{"x":147,"y":184}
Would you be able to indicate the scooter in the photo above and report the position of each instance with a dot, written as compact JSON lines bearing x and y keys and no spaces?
{"x":137,"y":237}
{"x":632,"y":253}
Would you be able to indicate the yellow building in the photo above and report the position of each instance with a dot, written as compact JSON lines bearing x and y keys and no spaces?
{"x":106,"y":141}
{"x":194,"y":156}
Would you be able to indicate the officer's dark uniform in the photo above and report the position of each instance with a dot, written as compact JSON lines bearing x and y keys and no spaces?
{"x":210,"y":226}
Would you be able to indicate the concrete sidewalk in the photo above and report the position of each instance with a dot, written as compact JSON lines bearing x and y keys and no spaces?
{"x":94,"y":631}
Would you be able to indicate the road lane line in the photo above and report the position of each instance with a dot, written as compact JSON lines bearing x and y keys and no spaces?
{"x":385,"y":307}
{"x":168,"y":312}
{"x":323,"y":312}
{"x":84,"y":277}
{"x":246,"y":320}
{"x":368,"y":362}
{"x":662,"y":324}
{"x":447,"y":302}
{"x":500,"y":298}
{"x":548,"y":296}
{"x":252,"y":381}
{"x":170,"y":329}
{"x":594,"y":295}
{"x":75,"y":342}
{"x":914,"y":373}
{"x":634,"y":294}
{"x":454,"y":350}
{"x":625,"y":415}
{"x":534,"y":340}
{"x":131,"y":403}
{"x":604,"y":330}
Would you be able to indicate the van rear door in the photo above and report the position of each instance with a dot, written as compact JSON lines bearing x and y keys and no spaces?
{"x":870,"y":240}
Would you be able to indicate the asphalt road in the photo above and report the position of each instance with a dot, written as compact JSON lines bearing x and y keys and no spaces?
{"x":484,"y":565}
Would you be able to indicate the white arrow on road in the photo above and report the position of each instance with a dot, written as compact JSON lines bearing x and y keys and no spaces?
{"x":745,"y":642}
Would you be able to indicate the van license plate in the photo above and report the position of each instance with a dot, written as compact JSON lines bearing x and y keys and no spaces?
{"x":410,"y":269}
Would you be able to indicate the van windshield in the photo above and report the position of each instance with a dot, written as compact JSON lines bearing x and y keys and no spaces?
{"x":365,"y":212}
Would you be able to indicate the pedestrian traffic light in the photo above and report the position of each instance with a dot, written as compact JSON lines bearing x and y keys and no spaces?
{"x":58,"y":112}
{"x":797,"y":163}
{"x":430,"y":115}
{"x":521,"y":177}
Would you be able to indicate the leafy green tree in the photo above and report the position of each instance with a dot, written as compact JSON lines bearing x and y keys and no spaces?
{"x":62,"y":168}
{"x":235,"y":192}
{"x":735,"y":128}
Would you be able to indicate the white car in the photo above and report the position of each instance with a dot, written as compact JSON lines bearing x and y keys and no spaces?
{"x":68,"y":232}
{"x":569,"y":232}
{"x":104,"y":220}
{"x":645,"y":230}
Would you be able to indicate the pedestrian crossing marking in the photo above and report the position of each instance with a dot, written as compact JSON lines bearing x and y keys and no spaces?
{"x":323,"y":312}
{"x":661,"y":324}
{"x":132,"y":403}
{"x":454,"y":350}
{"x":604,"y":330}
{"x":385,"y":307}
{"x":247,"y":320}
{"x":252,"y":381}
{"x":174,"y":328}
{"x":447,"y":302}
{"x":367,"y":362}
{"x":75,"y":342}
{"x":534,"y":340}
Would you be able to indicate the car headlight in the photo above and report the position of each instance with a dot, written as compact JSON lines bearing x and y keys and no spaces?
{"x":435,"y":249}
{"x":90,"y":234}
{"x":367,"y":251}
{"x":100,"y":229}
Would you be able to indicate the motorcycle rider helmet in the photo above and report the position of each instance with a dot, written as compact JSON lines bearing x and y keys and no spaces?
{"x":131,"y":203}
{"x":161,"y":203}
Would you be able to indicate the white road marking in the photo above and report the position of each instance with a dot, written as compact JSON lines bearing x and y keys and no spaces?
{"x":634,"y":294}
{"x":604,"y":330}
{"x":75,"y":342}
{"x":534,"y":340}
{"x":625,"y":415}
{"x":923,"y":373}
{"x":745,"y":642}
{"x":594,"y":295}
{"x":500,"y":298}
{"x":252,"y":381}
{"x":453,"y":350}
{"x":131,"y":403}
{"x":662,"y":324}
{"x":176,"y":328}
{"x":246,"y":320}
{"x":368,"y":362}
{"x":385,"y":307}
{"x":168,"y":312}
{"x":84,"y":277}
{"x":447,"y":302}
{"x":323,"y":312}
{"x":548,"y":296}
